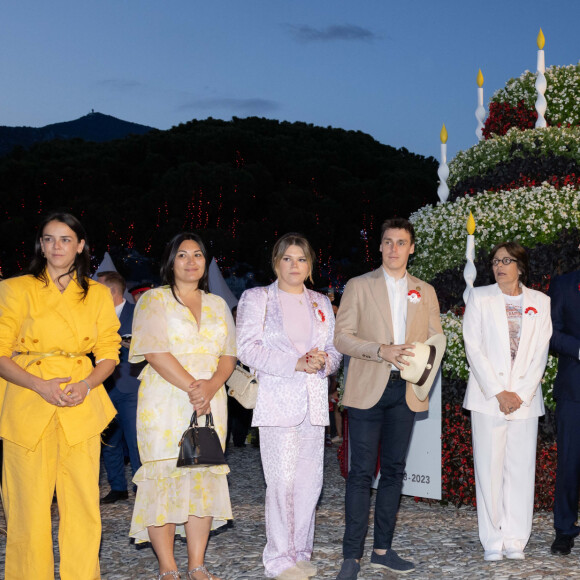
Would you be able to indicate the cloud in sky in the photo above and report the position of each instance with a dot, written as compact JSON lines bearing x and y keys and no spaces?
{"x":253,"y":106}
{"x":332,"y":33}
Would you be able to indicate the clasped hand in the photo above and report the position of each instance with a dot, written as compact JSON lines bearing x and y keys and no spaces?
{"x":72,"y":395}
{"x":509,"y":402}
{"x":200,"y":395}
{"x":312,"y":361}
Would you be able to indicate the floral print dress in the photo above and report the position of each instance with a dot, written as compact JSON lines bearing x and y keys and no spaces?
{"x":166,"y":493}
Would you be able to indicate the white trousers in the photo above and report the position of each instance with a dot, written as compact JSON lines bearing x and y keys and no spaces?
{"x":504,"y":454}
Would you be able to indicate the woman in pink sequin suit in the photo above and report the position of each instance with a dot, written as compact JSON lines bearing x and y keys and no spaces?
{"x":285,"y":332}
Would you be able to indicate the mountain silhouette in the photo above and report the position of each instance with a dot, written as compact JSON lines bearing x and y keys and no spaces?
{"x":92,"y":127}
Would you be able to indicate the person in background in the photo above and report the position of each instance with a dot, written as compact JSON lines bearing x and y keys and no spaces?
{"x":506,"y":330}
{"x":122,"y":387}
{"x":565,"y":294}
{"x":53,"y":405}
{"x":285,"y":333}
{"x":140,"y":289}
{"x":187,"y":336}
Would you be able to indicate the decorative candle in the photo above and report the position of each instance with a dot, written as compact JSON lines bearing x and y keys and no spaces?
{"x":469,"y":272}
{"x":541,"y":83}
{"x":443,"y":171}
{"x":480,"y":111}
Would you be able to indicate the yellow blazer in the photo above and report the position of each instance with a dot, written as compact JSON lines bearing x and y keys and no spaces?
{"x":364,"y":322}
{"x":35,"y":317}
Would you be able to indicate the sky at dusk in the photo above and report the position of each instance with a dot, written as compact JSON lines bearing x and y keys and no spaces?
{"x":395,"y":70}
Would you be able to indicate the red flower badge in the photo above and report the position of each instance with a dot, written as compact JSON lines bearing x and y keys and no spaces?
{"x":414,"y":296}
{"x":531,"y":311}
{"x":320,"y":315}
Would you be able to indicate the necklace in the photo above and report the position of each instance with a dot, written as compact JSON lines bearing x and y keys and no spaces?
{"x":297,"y":297}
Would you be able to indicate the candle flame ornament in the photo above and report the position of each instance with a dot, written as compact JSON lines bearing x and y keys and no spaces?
{"x":480,"y":111}
{"x":541,"y":84}
{"x":470,"y":224}
{"x":469,"y":272}
{"x":443,"y":171}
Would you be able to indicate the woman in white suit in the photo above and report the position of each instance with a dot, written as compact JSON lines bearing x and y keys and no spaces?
{"x":285,"y":332}
{"x":506,"y":329}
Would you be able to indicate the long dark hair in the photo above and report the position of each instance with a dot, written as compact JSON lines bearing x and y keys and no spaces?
{"x":81,"y":265}
{"x":168,"y":261}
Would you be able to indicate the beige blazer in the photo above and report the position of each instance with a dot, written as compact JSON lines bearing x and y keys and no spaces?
{"x":364,"y":322}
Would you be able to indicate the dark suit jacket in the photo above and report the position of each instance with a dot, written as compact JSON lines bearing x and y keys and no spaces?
{"x":124,"y":377}
{"x":565,"y":294}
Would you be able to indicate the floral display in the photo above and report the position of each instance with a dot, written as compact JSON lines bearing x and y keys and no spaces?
{"x":454,"y":365}
{"x":530,"y":215}
{"x":563,"y":87}
{"x":484,"y":157}
{"x":520,"y":184}
{"x":457,"y":476}
{"x":503,"y":116}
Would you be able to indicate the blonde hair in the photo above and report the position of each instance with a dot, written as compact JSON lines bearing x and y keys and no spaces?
{"x":293,"y":239}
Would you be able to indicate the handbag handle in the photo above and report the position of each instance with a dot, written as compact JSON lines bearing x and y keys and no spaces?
{"x":208,"y":420}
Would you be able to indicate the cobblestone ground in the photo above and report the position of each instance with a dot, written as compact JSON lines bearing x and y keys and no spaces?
{"x":442,"y":541}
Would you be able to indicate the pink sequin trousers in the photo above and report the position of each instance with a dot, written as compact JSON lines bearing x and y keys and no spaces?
{"x":293,"y":463}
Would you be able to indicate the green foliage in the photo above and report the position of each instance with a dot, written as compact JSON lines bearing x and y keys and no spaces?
{"x":241,"y":183}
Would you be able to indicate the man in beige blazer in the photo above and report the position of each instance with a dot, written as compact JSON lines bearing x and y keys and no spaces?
{"x":380,"y":315}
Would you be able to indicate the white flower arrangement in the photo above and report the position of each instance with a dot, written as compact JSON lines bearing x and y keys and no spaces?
{"x":529,"y":215}
{"x":483,"y":157}
{"x":563,"y":88}
{"x":454,"y":365}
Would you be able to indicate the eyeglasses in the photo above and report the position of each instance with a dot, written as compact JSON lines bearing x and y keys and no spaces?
{"x":505,"y":261}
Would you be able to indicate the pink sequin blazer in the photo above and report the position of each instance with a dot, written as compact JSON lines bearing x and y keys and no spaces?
{"x":284,"y":394}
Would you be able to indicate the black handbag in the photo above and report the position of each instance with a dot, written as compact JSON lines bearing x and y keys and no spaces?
{"x":200,"y":446}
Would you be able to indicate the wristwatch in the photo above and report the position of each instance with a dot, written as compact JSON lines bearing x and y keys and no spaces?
{"x":379,"y":354}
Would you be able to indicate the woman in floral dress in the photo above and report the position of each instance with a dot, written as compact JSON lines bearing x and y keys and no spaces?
{"x":187,"y":336}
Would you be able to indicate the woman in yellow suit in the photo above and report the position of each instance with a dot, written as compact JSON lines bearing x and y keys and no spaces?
{"x":53,"y":404}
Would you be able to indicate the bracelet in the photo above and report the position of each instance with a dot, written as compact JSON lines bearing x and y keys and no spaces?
{"x":88,"y":387}
{"x":379,"y":354}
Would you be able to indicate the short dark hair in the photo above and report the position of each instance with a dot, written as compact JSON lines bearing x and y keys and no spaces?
{"x":168,"y":261}
{"x":293,"y":239}
{"x":113,"y":278}
{"x":398,"y":224}
{"x":518,"y":252}
{"x":82,"y":264}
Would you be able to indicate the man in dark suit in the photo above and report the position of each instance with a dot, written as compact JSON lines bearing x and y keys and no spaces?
{"x":122,"y":387}
{"x":565,"y":294}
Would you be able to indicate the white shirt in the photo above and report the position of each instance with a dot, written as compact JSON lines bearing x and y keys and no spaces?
{"x":397,"y":290}
{"x":119,"y":308}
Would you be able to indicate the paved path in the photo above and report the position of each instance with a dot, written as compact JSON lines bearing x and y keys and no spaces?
{"x":442,"y":541}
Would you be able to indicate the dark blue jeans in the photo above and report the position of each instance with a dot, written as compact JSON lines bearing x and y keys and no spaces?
{"x":568,"y":467}
{"x":123,"y":427}
{"x":388,"y":424}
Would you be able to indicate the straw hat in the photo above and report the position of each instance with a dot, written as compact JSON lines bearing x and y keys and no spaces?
{"x":422,"y":368}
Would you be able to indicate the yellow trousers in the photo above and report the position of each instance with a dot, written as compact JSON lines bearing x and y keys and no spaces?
{"x":29,"y":479}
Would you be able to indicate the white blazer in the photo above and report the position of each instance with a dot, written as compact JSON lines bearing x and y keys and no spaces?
{"x":486,"y":337}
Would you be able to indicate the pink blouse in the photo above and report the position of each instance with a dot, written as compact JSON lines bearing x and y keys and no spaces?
{"x":297,"y":319}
